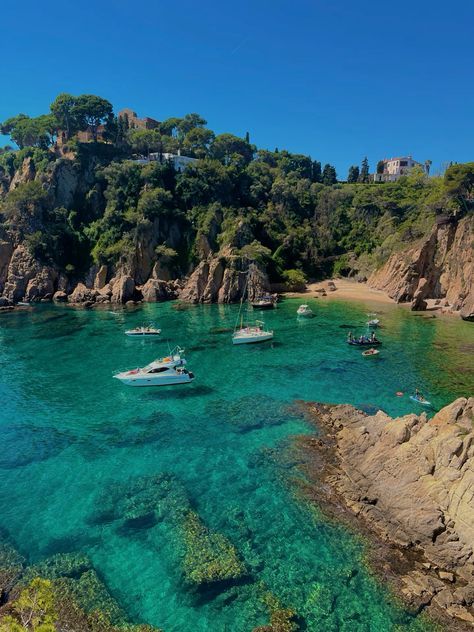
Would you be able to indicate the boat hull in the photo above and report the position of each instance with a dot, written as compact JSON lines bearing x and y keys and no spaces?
{"x":245,"y":340}
{"x":424,"y":402}
{"x":142,"y":335}
{"x":144,"y":381}
{"x":369,"y":343}
{"x":269,"y":305}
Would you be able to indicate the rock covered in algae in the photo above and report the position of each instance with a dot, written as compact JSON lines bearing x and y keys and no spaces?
{"x":209,"y":556}
{"x":281,"y":619}
{"x":138,"y":499}
{"x":91,"y":595}
{"x":60,"y":565}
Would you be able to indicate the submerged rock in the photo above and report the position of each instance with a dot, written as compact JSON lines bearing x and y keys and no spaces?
{"x":209,"y":556}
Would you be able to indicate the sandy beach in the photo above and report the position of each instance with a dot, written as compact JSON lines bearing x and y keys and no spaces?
{"x":346,"y":289}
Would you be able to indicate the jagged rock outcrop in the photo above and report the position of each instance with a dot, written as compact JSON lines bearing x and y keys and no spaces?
{"x":123,"y":289}
{"x":26,"y":173}
{"x":60,"y":297}
{"x":224,"y":279}
{"x":411,"y":480}
{"x":82,"y":294}
{"x":101,"y":278}
{"x":441,"y":266}
{"x":156,"y":290}
{"x":6,"y":251}
{"x":26,"y":278}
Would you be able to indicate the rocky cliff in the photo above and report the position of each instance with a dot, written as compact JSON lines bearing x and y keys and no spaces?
{"x":439,"y":267}
{"x":220,"y":274}
{"x":411,"y":482}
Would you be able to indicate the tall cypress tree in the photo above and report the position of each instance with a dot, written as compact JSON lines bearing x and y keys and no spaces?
{"x":364,"y":171}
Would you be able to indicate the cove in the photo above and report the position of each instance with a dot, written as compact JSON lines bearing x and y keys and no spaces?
{"x":81,"y":455}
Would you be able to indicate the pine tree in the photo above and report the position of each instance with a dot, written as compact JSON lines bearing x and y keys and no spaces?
{"x":364,"y":171}
{"x":247,"y":137}
{"x":353,"y":174}
{"x":329,"y":175}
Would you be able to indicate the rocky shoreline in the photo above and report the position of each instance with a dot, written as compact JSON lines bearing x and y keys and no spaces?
{"x":407,"y":484}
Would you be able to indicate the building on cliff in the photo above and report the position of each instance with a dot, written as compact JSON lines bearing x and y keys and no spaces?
{"x":137,"y":123}
{"x":87,"y":135}
{"x":178,"y":161}
{"x":391,"y":169}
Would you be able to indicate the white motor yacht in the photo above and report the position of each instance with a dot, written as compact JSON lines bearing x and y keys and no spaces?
{"x":162,"y":372}
{"x":246,"y":335}
{"x":305,"y":311}
{"x":143,"y":331}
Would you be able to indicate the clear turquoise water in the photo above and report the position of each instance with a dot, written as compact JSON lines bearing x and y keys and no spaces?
{"x":73,"y":440}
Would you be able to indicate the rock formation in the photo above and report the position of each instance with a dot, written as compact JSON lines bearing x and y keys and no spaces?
{"x":411,"y":481}
{"x":164,"y":244}
{"x":441,"y":266}
{"x":224,"y":279}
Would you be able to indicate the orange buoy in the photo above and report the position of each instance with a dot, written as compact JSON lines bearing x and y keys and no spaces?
{"x":399,"y":394}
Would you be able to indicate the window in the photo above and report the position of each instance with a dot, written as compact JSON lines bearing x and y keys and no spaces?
{"x":403,"y":163}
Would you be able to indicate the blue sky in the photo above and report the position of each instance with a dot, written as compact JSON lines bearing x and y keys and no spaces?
{"x":334,"y":79}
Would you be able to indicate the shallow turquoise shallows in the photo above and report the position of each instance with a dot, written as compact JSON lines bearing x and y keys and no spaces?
{"x":73,"y":440}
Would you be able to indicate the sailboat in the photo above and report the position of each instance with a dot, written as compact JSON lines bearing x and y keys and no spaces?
{"x":256,"y":333}
{"x":249,"y":334}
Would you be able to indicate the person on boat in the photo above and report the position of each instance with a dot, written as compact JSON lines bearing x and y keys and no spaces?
{"x":349,"y":337}
{"x":419,"y":395}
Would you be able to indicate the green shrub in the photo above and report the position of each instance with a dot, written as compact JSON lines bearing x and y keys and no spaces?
{"x":295,"y":280}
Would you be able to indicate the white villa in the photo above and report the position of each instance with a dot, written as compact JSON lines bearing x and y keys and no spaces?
{"x":394,"y":168}
{"x":179,"y":162}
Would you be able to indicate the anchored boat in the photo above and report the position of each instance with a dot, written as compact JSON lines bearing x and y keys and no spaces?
{"x":256,"y":333}
{"x":264,"y":302}
{"x":370,"y":352}
{"x":305,"y":311}
{"x":166,"y":371}
{"x":364,"y":341}
{"x":140,"y":332}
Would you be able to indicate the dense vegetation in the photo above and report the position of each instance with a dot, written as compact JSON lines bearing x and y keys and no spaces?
{"x":282,"y":209}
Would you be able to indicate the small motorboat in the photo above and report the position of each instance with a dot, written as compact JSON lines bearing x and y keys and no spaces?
{"x":305,"y":311}
{"x":247,"y":335}
{"x":370,"y":352}
{"x":420,"y":400}
{"x":139,"y":332}
{"x":364,"y":341}
{"x":166,"y":371}
{"x":264,"y":302}
{"x":373,"y":323}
